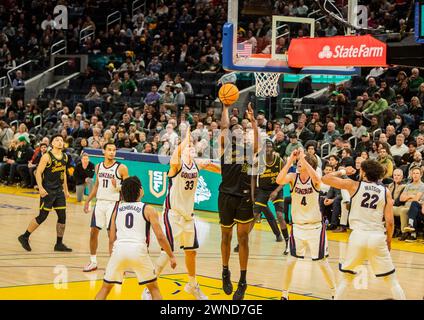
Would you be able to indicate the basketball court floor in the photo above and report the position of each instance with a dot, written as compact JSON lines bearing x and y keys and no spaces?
{"x":45,"y":274}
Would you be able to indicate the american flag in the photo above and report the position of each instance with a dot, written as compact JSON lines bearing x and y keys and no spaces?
{"x":244,"y":49}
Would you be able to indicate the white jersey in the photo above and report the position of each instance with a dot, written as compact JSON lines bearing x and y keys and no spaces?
{"x":131,"y":224}
{"x":305,"y":202}
{"x":367,"y":207}
{"x":182,"y":189}
{"x":106,"y":190}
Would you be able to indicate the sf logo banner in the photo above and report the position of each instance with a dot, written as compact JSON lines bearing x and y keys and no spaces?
{"x":60,"y":21}
{"x":157,"y":183}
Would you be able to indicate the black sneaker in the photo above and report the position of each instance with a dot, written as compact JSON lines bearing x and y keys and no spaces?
{"x":61,"y":247}
{"x":24,"y":242}
{"x":284,"y":298}
{"x":227,"y":286}
{"x":403,"y":236}
{"x":279,"y":238}
{"x":236,"y":249}
{"x":411,"y":238}
{"x":409,"y":228}
{"x":241,"y":289}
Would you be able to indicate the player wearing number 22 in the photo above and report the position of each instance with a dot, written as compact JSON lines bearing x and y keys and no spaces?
{"x":178,"y":216}
{"x":109,"y":177}
{"x":371,"y":219}
{"x":308,"y":229}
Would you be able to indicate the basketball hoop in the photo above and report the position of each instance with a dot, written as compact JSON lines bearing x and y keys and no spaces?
{"x":267,"y":84}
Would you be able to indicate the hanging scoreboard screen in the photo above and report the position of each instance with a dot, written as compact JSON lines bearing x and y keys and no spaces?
{"x":419,"y":21}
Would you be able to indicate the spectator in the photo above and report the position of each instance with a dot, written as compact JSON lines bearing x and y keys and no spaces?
{"x":153,"y":96}
{"x":396,"y":188}
{"x":385,"y":159}
{"x":83,"y":175}
{"x":166,"y":82}
{"x":331,"y":133}
{"x":302,"y":132}
{"x":415,"y":80}
{"x":33,"y":163}
{"x":18,"y":86}
{"x":293,"y":145}
{"x":128,"y":86}
{"x":372,"y":86}
{"x":93,"y":94}
{"x":24,"y":154}
{"x":386,"y":91}
{"x":86,"y":132}
{"x":288,"y":125}
{"x":115,"y":85}
{"x":179,"y":98}
{"x":399,"y":149}
{"x":154,"y":66}
{"x":95,"y":139}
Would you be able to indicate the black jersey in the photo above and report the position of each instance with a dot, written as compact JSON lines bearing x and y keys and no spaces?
{"x":236,"y":170}
{"x":54,"y":173}
{"x":267,"y":174}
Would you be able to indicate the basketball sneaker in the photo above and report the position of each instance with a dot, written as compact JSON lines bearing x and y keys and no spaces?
{"x":227,"y":286}
{"x":241,"y":289}
{"x":62,"y":248}
{"x":411,"y":238}
{"x":92,"y":266}
{"x":279,"y":238}
{"x":146,"y":295}
{"x":24,"y":242}
{"x":409,"y":228}
{"x":286,"y":251}
{"x":195,"y":291}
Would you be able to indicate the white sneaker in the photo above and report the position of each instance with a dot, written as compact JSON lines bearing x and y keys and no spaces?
{"x":195,"y":291}
{"x":146,"y":295}
{"x":92,"y":266}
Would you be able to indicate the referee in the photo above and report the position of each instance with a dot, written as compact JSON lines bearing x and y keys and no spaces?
{"x":235,"y":201}
{"x":52,"y":185}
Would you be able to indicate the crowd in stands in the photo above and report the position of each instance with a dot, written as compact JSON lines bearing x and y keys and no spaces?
{"x":152,"y":59}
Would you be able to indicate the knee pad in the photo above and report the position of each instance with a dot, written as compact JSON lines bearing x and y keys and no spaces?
{"x":61,"y":216}
{"x":42,"y":216}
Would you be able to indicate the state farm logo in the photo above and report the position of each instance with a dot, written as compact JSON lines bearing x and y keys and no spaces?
{"x":341,"y":51}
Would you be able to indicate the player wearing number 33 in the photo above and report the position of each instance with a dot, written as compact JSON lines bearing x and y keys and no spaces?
{"x":308,"y":230}
{"x":178,"y":217}
{"x":371,"y":219}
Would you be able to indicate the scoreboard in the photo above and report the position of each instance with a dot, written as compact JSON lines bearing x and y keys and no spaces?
{"x":419,"y":21}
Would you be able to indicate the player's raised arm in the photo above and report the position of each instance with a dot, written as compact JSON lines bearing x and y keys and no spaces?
{"x":251,"y":117}
{"x":284,"y":176}
{"x":389,"y":218}
{"x":207,"y":164}
{"x":39,"y":173}
{"x":334,"y":179}
{"x":152,"y":217}
{"x":93,"y":191}
{"x":175,"y":162}
{"x":225,"y":127}
{"x":316,"y":179}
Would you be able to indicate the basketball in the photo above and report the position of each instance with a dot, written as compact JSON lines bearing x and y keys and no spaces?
{"x":228,"y":94}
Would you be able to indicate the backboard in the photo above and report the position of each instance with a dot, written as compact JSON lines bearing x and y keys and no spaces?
{"x":244,"y":55}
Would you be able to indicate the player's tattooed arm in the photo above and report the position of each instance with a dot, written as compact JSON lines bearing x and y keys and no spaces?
{"x":334,"y":179}
{"x":152,"y":217}
{"x":93,"y":191}
{"x":284,"y":176}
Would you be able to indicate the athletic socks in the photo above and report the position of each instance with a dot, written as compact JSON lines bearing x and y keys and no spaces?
{"x":59,"y":240}
{"x":93,"y":259}
{"x":285,"y":294}
{"x":225,"y":270}
{"x":243,"y":276}
{"x":285,"y":233}
{"x":192,"y":281}
{"x":27,"y":234}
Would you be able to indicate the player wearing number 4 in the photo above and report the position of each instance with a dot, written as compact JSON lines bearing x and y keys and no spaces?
{"x":308,"y":229}
{"x":109,"y":177}
{"x":371,"y":219}
{"x":178,"y":216}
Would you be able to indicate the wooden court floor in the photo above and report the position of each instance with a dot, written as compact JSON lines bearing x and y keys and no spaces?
{"x":44,"y":274}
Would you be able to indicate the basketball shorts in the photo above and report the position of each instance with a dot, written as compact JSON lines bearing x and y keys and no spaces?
{"x":371,"y":246}
{"x":53,"y":201}
{"x":102,"y":214}
{"x":179,"y":230}
{"x":311,"y":237}
{"x":262,"y":197}
{"x":234,"y":210}
{"x":127,"y":256}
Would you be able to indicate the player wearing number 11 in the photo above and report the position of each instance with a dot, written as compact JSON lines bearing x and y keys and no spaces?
{"x":109,"y":177}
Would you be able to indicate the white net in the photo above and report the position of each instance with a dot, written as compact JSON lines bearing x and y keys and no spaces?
{"x":267,"y":84}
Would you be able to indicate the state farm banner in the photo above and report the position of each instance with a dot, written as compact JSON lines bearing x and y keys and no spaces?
{"x":339,"y":51}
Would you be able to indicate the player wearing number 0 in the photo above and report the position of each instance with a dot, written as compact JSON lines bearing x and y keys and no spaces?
{"x":129,"y":236}
{"x":109,"y":176}
{"x":371,"y":219}
{"x":308,"y":229}
{"x":178,"y":216}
